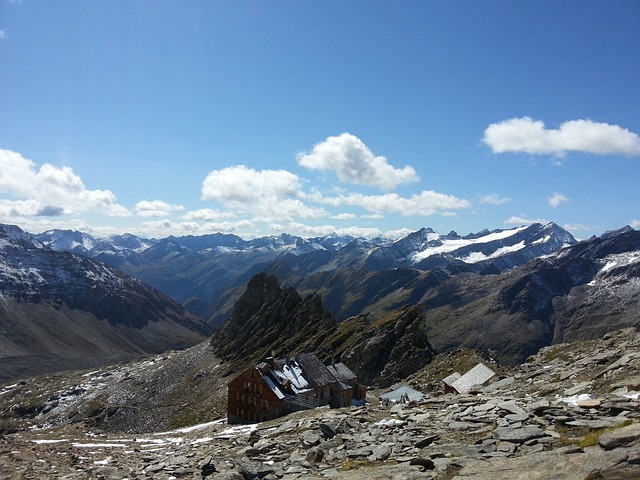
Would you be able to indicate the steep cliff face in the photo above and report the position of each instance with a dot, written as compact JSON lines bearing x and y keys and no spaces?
{"x":271,"y":318}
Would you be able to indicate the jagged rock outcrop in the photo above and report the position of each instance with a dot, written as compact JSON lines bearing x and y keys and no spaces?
{"x":267,"y":317}
{"x":271,"y":318}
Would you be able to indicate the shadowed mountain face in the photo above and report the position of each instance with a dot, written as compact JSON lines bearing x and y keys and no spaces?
{"x":473,"y":294}
{"x":59,"y":310}
{"x":579,"y":293}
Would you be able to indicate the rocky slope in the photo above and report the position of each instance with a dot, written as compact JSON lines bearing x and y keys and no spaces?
{"x":571,"y":412}
{"x":60,"y":310}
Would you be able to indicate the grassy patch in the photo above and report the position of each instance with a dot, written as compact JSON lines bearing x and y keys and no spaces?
{"x":584,"y":436}
{"x":353,"y":464}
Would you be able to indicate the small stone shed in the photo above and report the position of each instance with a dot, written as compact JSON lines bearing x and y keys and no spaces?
{"x":478,"y":375}
{"x":402,"y":394}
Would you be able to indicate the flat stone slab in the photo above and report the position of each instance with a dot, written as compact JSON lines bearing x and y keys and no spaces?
{"x":545,"y":466}
{"x":511,"y":407}
{"x":519,"y":434}
{"x":622,"y":437}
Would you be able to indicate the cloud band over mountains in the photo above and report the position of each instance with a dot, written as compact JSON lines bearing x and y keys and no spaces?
{"x":244,"y":197}
{"x":241,"y":198}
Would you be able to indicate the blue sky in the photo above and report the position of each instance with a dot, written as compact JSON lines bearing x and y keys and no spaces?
{"x":360,"y":117}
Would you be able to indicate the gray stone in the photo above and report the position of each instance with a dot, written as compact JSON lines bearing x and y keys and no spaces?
{"x":506,"y":447}
{"x":505,"y":382}
{"x":461,"y":425}
{"x":517,"y":417}
{"x":425,"y":463}
{"x":517,"y":435}
{"x":327,"y":430}
{"x":426,"y":441}
{"x":381,"y":452}
{"x":581,"y":387}
{"x":622,"y":437}
{"x":309,"y":439}
{"x":360,"y":452}
{"x":511,"y":407}
{"x":539,"y":405}
{"x":544,"y":466}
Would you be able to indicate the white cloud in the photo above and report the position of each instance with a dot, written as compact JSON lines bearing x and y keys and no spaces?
{"x":400,"y":233}
{"x":515,"y":220}
{"x":425,"y":203}
{"x":245,"y":185}
{"x":635,"y":224}
{"x":164,"y":228}
{"x":578,"y":227}
{"x":525,"y":135}
{"x":27,"y":208}
{"x":556,"y":199}
{"x":49,"y":190}
{"x":3,"y":34}
{"x":494,"y":199}
{"x":155,"y":208}
{"x":207,"y":214}
{"x":268,"y":193}
{"x":345,"y":216}
{"x":353,"y":162}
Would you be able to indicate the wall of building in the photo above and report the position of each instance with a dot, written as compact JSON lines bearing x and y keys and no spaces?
{"x":250,"y":399}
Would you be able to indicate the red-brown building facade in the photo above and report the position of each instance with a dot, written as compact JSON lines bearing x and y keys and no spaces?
{"x":277,"y":387}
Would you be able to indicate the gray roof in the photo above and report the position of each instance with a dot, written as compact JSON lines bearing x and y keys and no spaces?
{"x":398,"y":393}
{"x":311,"y":372}
{"x":342,"y":372}
{"x":451,"y":378}
{"x":314,"y":371}
{"x":478,"y":375}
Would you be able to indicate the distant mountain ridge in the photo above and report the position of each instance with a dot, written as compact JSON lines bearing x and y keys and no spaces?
{"x":205,"y":273}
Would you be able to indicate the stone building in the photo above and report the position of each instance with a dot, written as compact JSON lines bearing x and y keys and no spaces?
{"x":277,"y":387}
{"x":477,"y":376}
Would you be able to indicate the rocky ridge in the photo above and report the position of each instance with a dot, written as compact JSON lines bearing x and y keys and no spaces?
{"x":571,"y":411}
{"x":270,"y":319}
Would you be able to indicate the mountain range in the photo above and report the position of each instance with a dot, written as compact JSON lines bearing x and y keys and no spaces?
{"x":509,"y":292}
{"x":207,"y":273}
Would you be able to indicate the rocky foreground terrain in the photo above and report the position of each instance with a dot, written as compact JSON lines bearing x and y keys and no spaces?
{"x":570,"y":412}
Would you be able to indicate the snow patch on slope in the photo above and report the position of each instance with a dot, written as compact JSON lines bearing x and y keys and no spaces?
{"x":611,"y":262}
{"x":476,"y":257}
{"x":452,"y":245}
